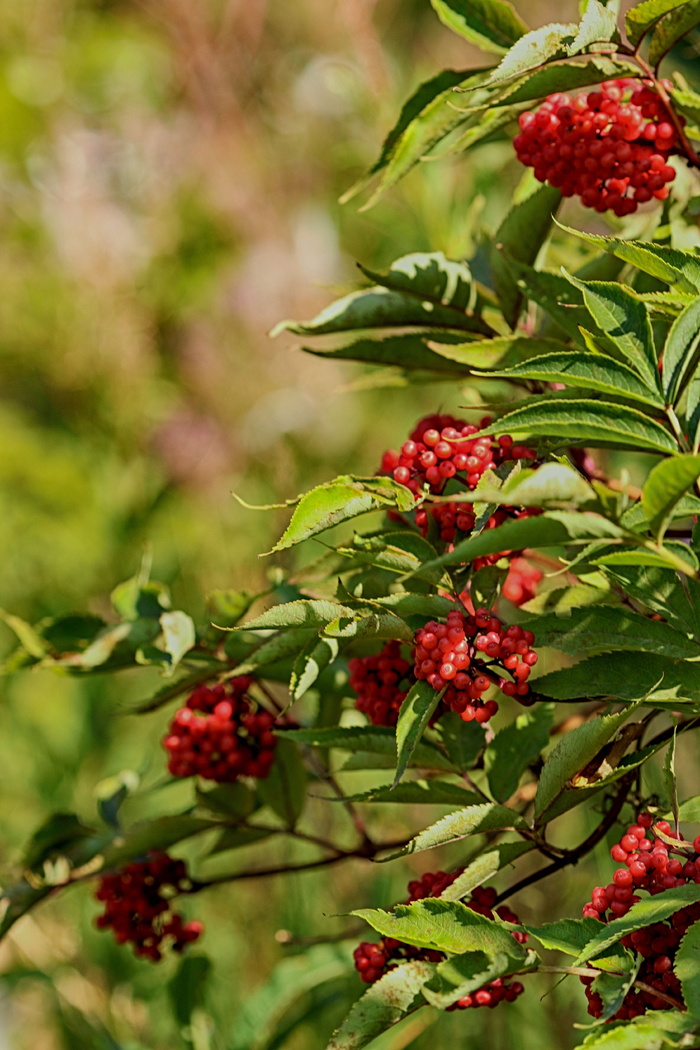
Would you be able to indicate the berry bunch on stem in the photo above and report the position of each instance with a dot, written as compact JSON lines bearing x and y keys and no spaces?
{"x":138,"y":906}
{"x":382,"y":683}
{"x":466,"y":656}
{"x":652,"y":864}
{"x":221,"y":735}
{"x":610,"y":147}
{"x":373,"y":960}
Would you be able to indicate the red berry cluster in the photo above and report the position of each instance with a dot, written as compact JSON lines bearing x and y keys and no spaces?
{"x":610,"y":147}
{"x":372,"y":961}
{"x":453,"y":656}
{"x":220,"y":735}
{"x":520,"y":585}
{"x":381,"y":683}
{"x":654,"y":866}
{"x":138,"y":906}
{"x":441,"y":447}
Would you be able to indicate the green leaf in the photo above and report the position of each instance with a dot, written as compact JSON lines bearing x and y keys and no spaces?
{"x":552,"y":483}
{"x":383,"y":1005}
{"x":646,"y":674}
{"x":644,"y":913}
{"x":400,"y":552}
{"x":313,"y":659}
{"x":140,"y":599}
{"x":598,"y":25}
{"x":640,"y":19}
{"x":485,"y":867}
{"x":369,"y":738}
{"x":305,"y":612}
{"x":159,"y":834}
{"x":571,"y":755}
{"x":58,"y":833}
{"x":239,"y":837}
{"x":692,"y":414}
{"x":687,"y":968}
{"x":582,"y":369}
{"x":418,"y":792}
{"x":667,"y":483}
{"x":671,"y":28}
{"x":493,"y":25}
{"x":473,"y":820}
{"x":625,"y":320}
{"x":612,"y":989}
{"x":233,"y":800}
{"x":272,"y":650}
{"x":30,"y":639}
{"x":462,"y":974}
{"x":534,"y":49}
{"x":429,"y":278}
{"x":682,"y":352}
{"x":669,"y":775}
{"x":461,"y":740}
{"x":680,"y":269}
{"x":500,"y":352}
{"x":566,"y":935}
{"x":605,"y":629}
{"x":514,"y":748}
{"x":341,"y":500}
{"x":634,"y":1035}
{"x":186,"y":987}
{"x":565,"y":76}
{"x":410,"y":352}
{"x":284,"y":789}
{"x":580,"y":421}
{"x":551,"y":529}
{"x":414,"y":715}
{"x":444,"y":926}
{"x":521,"y":235}
{"x":179,"y":636}
{"x":226,"y":608}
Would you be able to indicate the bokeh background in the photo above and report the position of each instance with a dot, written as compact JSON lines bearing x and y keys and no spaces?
{"x":169,"y":182}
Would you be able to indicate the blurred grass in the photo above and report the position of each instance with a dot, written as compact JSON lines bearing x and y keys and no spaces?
{"x":169,"y":175}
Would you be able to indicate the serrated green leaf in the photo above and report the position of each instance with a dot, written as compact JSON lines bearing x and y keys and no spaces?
{"x":534,"y":49}
{"x":513,"y":749}
{"x":463,"y":741}
{"x":644,"y":913}
{"x":625,"y":321}
{"x":605,"y":629}
{"x":383,"y":1005}
{"x":418,"y":792}
{"x":374,"y":739}
{"x":442,"y":925}
{"x":552,"y":483}
{"x":584,"y":370}
{"x":565,"y":76}
{"x":663,"y":592}
{"x":667,"y":483}
{"x":500,"y":352}
{"x":598,"y":25}
{"x":566,"y":935}
{"x":571,"y":754}
{"x":413,"y":352}
{"x":414,"y":715}
{"x":284,"y":789}
{"x":635,"y":1035}
{"x":641,"y":18}
{"x":462,"y":974}
{"x":473,"y":820}
{"x":521,"y":235}
{"x":671,"y":28}
{"x":305,"y":612}
{"x":484,"y":868}
{"x":687,"y":968}
{"x":429,"y":277}
{"x":227,"y":607}
{"x":313,"y":659}
{"x":681,"y":352}
{"x":493,"y":25}
{"x":339,"y":501}
{"x":646,"y":674}
{"x":681,"y":269}
{"x":279,"y":647}
{"x":581,"y":421}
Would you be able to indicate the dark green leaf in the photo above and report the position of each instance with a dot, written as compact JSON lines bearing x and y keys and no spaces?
{"x":645,"y":674}
{"x":678,"y":268}
{"x":414,"y":715}
{"x":565,"y":76}
{"x":233,"y":800}
{"x":238,"y":838}
{"x":644,"y":913}
{"x":566,"y":935}
{"x":409,"y":352}
{"x":514,"y":748}
{"x":419,"y":792}
{"x":57,"y":834}
{"x":667,"y":483}
{"x":272,"y":650}
{"x":459,"y":825}
{"x":663,"y":592}
{"x":521,"y":235}
{"x":186,"y":987}
{"x":641,"y":18}
{"x":681,"y":352}
{"x":369,"y":738}
{"x":461,"y":740}
{"x":462,"y":974}
{"x":140,"y":599}
{"x":159,"y":834}
{"x":578,"y":368}
{"x":382,"y":1006}
{"x":485,"y":867}
{"x":687,"y":968}
{"x":572,"y":754}
{"x":493,"y":25}
{"x":500,"y":352}
{"x":605,"y":629}
{"x":284,"y":789}
{"x":671,"y":28}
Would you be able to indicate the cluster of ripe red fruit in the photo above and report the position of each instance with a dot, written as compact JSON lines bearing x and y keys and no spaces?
{"x":609,"y":147}
{"x":372,"y":960}
{"x":138,"y":906}
{"x":220,"y":735}
{"x":653,"y":865}
{"x":382,"y":683}
{"x":462,"y":655}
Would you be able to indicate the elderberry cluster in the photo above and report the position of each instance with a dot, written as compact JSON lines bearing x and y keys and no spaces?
{"x":652,"y":865}
{"x":372,"y":960}
{"x":461,"y":656}
{"x":609,"y":147}
{"x":138,"y":906}
{"x":220,"y":735}
{"x":381,"y":683}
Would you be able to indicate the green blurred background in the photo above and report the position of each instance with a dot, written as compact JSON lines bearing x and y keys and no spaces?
{"x":169,"y":177}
